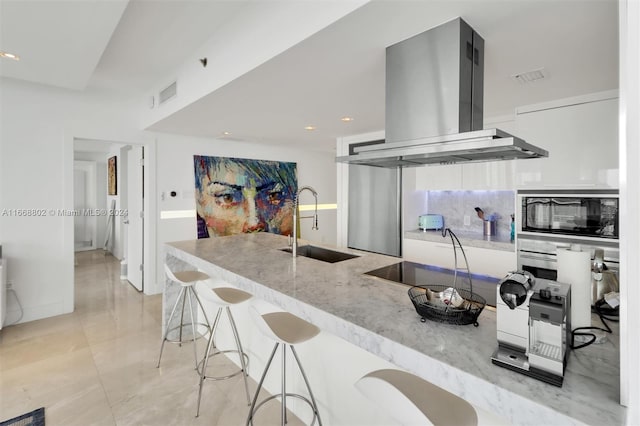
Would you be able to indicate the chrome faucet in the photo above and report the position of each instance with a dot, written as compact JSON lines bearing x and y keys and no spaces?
{"x":294,"y":246}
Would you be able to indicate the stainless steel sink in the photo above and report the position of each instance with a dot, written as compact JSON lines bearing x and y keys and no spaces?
{"x":322,"y":254}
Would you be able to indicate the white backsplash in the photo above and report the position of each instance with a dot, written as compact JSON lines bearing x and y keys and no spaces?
{"x":454,"y":205}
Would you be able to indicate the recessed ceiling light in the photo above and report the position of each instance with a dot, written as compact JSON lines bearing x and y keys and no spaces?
{"x":347,"y":119}
{"x":226,"y":133}
{"x":9,"y":55}
{"x":309,"y":127}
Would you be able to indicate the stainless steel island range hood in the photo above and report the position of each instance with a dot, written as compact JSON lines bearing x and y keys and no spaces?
{"x":434,"y":102}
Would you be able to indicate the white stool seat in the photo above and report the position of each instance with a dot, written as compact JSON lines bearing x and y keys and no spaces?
{"x":410,"y":399}
{"x":223,"y":298}
{"x":187,"y":277}
{"x":287,"y":330}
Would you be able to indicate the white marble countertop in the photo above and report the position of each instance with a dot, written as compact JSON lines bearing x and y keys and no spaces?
{"x":467,"y":238}
{"x":378,"y":316}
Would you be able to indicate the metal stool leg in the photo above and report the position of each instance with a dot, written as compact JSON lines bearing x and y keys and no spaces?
{"x":212,"y":350}
{"x":306,"y":381}
{"x":193,"y":328}
{"x":166,"y":331}
{"x":283,"y":413}
{"x":184,"y":301}
{"x":245,"y":373}
{"x":264,"y":374}
{"x":186,"y":292}
{"x":205,"y":360}
{"x":283,"y":392}
{"x":206,"y":318}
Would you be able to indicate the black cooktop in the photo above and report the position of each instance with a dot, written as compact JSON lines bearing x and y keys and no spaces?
{"x":412,"y":273}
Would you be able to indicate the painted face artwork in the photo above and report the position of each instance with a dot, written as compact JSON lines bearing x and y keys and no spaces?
{"x":239,"y":195}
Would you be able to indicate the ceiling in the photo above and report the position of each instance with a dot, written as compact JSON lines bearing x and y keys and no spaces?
{"x":337,"y":72}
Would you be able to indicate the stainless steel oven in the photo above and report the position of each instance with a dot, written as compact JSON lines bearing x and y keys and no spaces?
{"x":538,"y":254}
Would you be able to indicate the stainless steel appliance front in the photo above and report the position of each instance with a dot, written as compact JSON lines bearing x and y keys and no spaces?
{"x":374,"y":208}
{"x":538,"y":254}
{"x":434,"y":104}
{"x":551,"y":220}
{"x":448,"y":59}
{"x":589,"y":215}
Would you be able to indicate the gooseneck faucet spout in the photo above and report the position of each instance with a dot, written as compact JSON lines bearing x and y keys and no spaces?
{"x":294,"y":246}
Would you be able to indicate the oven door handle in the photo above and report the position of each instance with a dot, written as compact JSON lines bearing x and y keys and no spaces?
{"x":556,"y":246}
{"x":546,"y":257}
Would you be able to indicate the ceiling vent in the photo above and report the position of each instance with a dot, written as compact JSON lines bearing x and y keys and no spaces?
{"x":168,"y":93}
{"x":531,"y":76}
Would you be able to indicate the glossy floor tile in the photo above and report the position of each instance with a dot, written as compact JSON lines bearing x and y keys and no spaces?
{"x":97,"y":366}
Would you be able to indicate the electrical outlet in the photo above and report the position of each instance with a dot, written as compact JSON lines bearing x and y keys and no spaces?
{"x":467,"y":220}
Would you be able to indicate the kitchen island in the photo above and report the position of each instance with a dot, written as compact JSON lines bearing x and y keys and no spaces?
{"x":377,"y":316}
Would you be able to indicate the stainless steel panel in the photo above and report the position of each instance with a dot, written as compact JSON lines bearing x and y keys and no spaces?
{"x":423,"y":76}
{"x":541,"y":251}
{"x":465,"y":78}
{"x":434,"y":87}
{"x":477,"y":117}
{"x":482,"y":146}
{"x":375,"y":209}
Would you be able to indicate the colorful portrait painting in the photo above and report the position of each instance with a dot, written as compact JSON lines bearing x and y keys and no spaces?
{"x":236,"y":195}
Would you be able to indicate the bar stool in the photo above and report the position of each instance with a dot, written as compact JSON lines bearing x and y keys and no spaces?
{"x":410,"y":400}
{"x":223,"y":297}
{"x":187,"y":280}
{"x":286,"y":329}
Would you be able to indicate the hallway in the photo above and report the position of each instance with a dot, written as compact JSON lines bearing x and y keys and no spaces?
{"x":97,"y":365}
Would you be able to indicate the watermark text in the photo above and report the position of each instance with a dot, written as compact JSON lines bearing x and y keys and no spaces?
{"x":62,"y":212}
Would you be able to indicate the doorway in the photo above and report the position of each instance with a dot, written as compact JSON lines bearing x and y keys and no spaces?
{"x":117,"y":226}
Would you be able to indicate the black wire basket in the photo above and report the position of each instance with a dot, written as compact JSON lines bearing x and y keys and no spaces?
{"x":431,"y":307}
{"x":448,"y":304}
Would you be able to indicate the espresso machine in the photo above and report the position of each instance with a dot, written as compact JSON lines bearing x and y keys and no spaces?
{"x":533,"y":326}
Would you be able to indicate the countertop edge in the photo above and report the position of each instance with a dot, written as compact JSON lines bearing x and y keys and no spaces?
{"x":469,"y":239}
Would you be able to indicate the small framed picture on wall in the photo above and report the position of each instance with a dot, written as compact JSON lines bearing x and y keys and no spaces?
{"x":112,"y":170}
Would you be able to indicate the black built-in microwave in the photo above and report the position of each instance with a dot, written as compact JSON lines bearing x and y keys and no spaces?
{"x":592,"y":214}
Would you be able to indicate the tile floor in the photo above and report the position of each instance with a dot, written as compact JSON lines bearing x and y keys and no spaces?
{"x":97,"y":365}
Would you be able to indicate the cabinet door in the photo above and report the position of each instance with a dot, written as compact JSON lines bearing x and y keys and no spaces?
{"x":582,"y":141}
{"x":428,"y":252}
{"x":494,"y":263}
{"x":447,"y":177}
{"x":496,"y":175}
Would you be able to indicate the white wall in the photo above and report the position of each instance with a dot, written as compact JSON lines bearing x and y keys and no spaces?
{"x":175,"y":173}
{"x":100,"y":189}
{"x":629,"y":137}
{"x":262,"y":31}
{"x":38,"y":125}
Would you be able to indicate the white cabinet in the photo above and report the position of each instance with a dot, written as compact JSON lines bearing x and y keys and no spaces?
{"x":581,"y":137}
{"x":434,"y":178}
{"x":492,"y":175}
{"x":495,"y":263}
{"x":496,"y":175}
